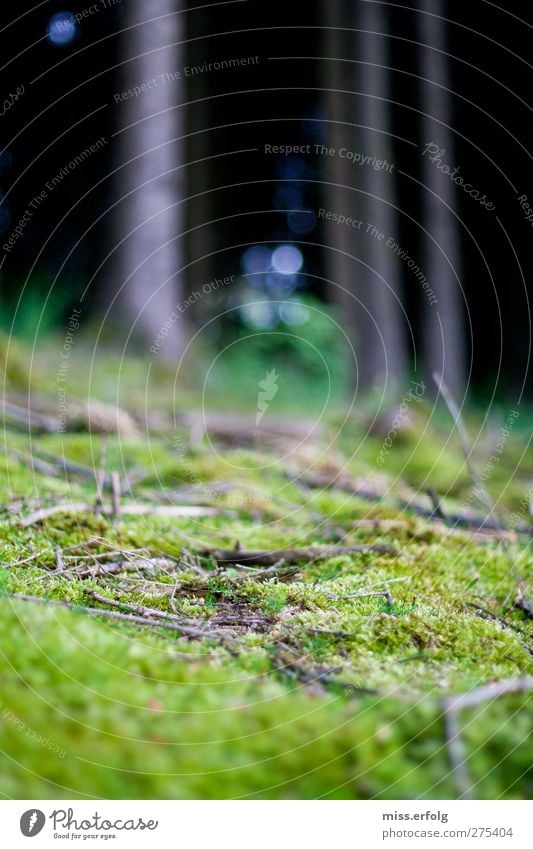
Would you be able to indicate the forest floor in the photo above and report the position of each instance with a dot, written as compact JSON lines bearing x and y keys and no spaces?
{"x":213,"y":614}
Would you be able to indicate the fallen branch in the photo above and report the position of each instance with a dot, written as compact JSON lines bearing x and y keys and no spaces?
{"x":457,"y":754}
{"x":32,"y":420}
{"x":241,"y":428}
{"x":103,"y":555}
{"x":344,"y":483}
{"x":487,"y":692}
{"x":116,"y":567}
{"x":53,"y":466}
{"x":80,"y":507}
{"x":237,"y":556}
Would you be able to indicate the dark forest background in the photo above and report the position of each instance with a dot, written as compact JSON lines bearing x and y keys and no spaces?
{"x":310,"y":69}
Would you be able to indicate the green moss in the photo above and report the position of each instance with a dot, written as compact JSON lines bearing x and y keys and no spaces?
{"x":122,"y":718}
{"x":287,"y":713}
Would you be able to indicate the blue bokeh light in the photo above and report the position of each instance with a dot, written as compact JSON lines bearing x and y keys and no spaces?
{"x":256,"y":259}
{"x":62,"y":29}
{"x":287,"y":259}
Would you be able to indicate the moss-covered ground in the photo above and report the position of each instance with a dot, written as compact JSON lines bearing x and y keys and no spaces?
{"x":325,"y":678}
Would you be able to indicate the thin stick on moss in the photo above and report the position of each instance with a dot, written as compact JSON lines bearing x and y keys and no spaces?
{"x":339,"y":634}
{"x":139,"y":609}
{"x":80,"y":507}
{"x":184,"y":630}
{"x":60,"y":563}
{"x":351,"y":486}
{"x":453,"y":704}
{"x":28,"y":559}
{"x":385,"y":593}
{"x":464,"y":440}
{"x":115,"y":484}
{"x":100,"y":477}
{"x":279,"y":570}
{"x":480,"y":489}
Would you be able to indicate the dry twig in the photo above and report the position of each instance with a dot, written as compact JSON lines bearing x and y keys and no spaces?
{"x":453,"y":704}
{"x":80,"y":507}
{"x":115,"y":484}
{"x":60,"y":563}
{"x":29,"y":418}
{"x":184,"y":630}
{"x":464,"y":440}
{"x":100,"y":477}
{"x":28,"y":559}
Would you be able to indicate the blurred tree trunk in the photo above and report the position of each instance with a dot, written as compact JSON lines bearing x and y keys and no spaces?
{"x":148,"y":219}
{"x":200,"y":148}
{"x":443,"y":322}
{"x":340,"y":267}
{"x":370,"y":310}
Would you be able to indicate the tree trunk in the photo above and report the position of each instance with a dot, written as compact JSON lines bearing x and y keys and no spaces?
{"x":148,"y":218}
{"x":371,"y":309}
{"x":338,"y":240}
{"x":200,"y":148}
{"x":444,"y":342}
